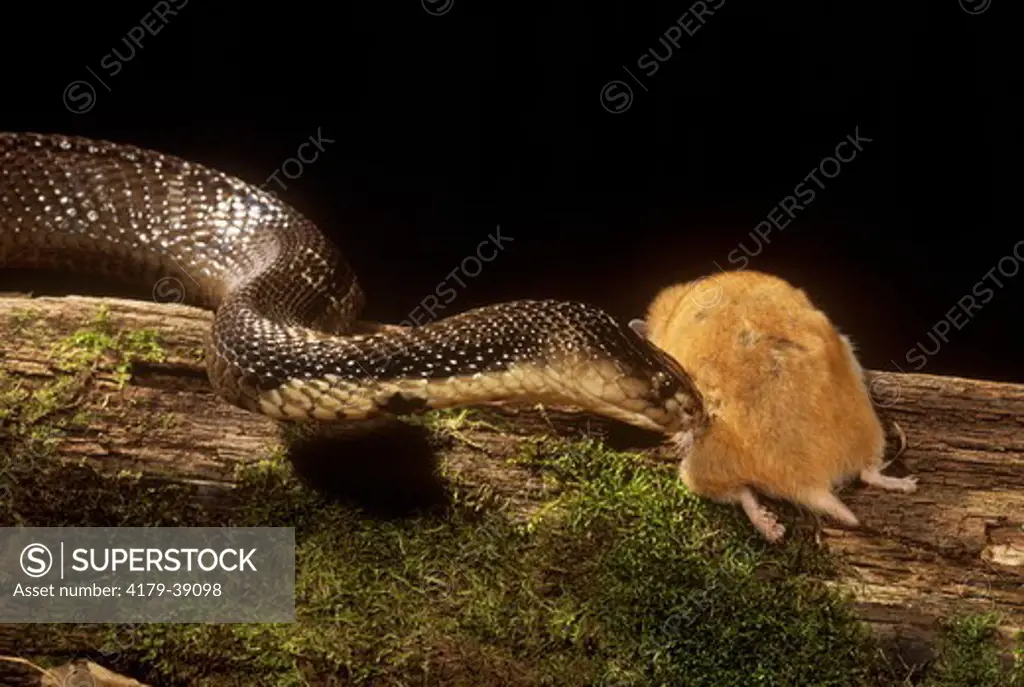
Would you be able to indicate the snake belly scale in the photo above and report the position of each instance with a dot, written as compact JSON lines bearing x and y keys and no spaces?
{"x":284,"y":341}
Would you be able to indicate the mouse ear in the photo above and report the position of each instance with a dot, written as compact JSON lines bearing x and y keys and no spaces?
{"x":639,"y":326}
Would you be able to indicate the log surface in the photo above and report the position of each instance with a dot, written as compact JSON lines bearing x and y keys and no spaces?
{"x":957,"y":545}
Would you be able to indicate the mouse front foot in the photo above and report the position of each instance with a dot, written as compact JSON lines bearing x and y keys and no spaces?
{"x":682,"y":443}
{"x":760,"y":517}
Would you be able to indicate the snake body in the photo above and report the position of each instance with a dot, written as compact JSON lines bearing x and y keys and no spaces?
{"x":283,"y":341}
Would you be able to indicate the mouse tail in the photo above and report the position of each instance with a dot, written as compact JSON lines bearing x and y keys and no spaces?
{"x":896,"y":435}
{"x":825,"y":502}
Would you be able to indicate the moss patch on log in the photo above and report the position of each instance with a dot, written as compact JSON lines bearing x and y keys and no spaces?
{"x":968,"y":657}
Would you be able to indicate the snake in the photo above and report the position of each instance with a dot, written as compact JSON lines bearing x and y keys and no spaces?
{"x":286,"y":340}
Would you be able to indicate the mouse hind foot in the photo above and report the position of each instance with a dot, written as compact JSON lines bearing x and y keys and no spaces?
{"x":874,"y":477}
{"x":827,"y":503}
{"x":760,"y":517}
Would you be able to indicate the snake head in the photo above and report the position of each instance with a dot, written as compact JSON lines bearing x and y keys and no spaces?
{"x":671,"y":389}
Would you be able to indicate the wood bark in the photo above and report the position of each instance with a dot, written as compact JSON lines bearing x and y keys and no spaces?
{"x":957,"y":545}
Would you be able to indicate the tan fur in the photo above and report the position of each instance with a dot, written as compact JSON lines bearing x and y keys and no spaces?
{"x":791,"y":415}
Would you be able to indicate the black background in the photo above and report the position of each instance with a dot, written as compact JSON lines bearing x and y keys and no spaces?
{"x":491,"y":114}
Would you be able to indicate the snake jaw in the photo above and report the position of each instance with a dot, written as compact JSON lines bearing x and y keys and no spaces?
{"x":674,"y":391}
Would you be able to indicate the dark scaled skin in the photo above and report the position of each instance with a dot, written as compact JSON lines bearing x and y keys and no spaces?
{"x":286,"y":301}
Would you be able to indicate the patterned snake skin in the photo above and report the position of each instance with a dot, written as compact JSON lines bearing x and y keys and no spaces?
{"x":283,"y":341}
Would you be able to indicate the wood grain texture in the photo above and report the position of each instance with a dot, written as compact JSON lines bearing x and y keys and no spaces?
{"x":957,"y":545}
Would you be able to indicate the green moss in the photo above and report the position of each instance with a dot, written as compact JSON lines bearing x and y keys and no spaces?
{"x":452,"y":425}
{"x":625,"y":580}
{"x":197,"y":354}
{"x":36,"y":418}
{"x":968,"y":655}
{"x":20,"y":318}
{"x":100,"y":341}
{"x":33,"y":421}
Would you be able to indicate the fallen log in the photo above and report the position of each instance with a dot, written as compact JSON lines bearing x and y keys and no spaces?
{"x":955,"y":546}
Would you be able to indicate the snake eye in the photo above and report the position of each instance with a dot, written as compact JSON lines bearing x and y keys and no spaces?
{"x":660,"y":380}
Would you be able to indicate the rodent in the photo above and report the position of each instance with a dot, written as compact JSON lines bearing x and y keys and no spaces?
{"x":791,"y":416}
